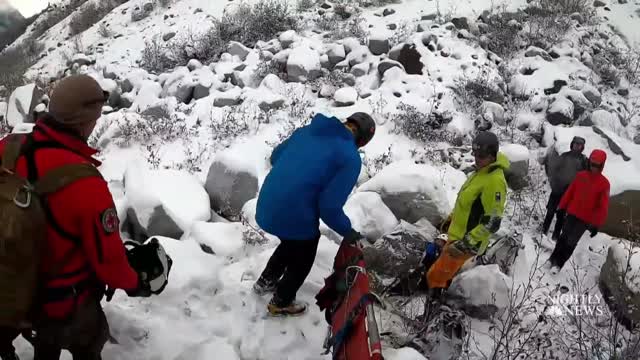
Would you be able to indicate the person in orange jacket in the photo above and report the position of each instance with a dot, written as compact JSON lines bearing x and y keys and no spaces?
{"x":585,"y":204}
{"x":83,"y":242}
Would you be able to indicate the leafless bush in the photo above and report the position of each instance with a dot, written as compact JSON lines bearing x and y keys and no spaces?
{"x":417,"y":125}
{"x":472,"y":92}
{"x":252,"y":23}
{"x":104,"y":30}
{"x":543,"y":29}
{"x":305,"y":5}
{"x":339,"y":28}
{"x":159,"y":126}
{"x":156,"y":57}
{"x":375,"y":164}
{"x":235,"y":122}
{"x":612,"y":63}
{"x":566,"y":7}
{"x":53,"y":15}
{"x":335,"y":79}
{"x":86,"y":17}
{"x":402,"y":33}
{"x":194,"y":158}
{"x":204,"y":46}
{"x":267,"y":67}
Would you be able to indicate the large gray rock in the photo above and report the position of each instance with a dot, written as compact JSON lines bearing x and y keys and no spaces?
{"x":22,"y":103}
{"x":481,"y":292}
{"x":387,"y":64}
{"x":399,"y":252}
{"x":303,"y":64}
{"x":622,"y":217}
{"x":228,"y":98}
{"x":229,"y":188}
{"x":615,"y":148}
{"x":237,"y":49}
{"x":614,"y":283}
{"x":493,"y":112}
{"x":533,"y":51}
{"x":336,"y":53}
{"x":378,"y":44}
{"x":160,"y":224}
{"x":560,"y":111}
{"x":593,"y":95}
{"x":445,"y":336}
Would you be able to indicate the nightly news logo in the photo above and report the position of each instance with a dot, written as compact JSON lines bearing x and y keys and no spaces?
{"x":575,"y":305}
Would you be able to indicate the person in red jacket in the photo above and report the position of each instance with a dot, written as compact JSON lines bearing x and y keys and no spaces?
{"x":84,"y":251}
{"x":585,"y":204}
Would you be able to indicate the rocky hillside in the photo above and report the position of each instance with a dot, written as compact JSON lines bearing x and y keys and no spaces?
{"x":11,"y":21}
{"x":195,"y":111}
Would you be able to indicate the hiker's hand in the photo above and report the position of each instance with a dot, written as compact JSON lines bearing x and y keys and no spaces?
{"x":352,"y":238}
{"x":593,"y":230}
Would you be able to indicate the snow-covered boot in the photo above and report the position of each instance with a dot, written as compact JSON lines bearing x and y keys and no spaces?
{"x":263,"y":287}
{"x":295,"y":308}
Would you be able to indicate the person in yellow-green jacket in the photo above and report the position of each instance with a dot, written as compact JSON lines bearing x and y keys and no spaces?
{"x":477,"y":213}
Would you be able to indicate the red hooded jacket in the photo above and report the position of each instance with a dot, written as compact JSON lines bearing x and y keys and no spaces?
{"x":84,"y":209}
{"x":588,"y":196}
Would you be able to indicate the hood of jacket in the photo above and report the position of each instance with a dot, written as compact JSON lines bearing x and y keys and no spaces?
{"x":322,"y":125}
{"x":502,"y":162}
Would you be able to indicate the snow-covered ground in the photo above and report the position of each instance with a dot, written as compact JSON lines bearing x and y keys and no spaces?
{"x":208,"y":308}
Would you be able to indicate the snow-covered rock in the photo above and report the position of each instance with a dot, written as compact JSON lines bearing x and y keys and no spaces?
{"x":621,"y":215}
{"x":179,"y":84}
{"x":237,"y":49}
{"x":227,"y":98}
{"x":493,"y":112}
{"x":533,"y":51}
{"x":387,"y":64}
{"x":445,"y":336}
{"x":287,"y":38}
{"x":225,"y":239}
{"x":415,"y":191}
{"x":21,"y":104}
{"x":163,"y":202}
{"x":518,"y":156}
{"x":360,"y":70}
{"x":358,"y":55}
{"x":379,"y":43}
{"x":369,"y":215}
{"x":400,"y":251}
{"x":303,"y":64}
{"x":481,"y":292}
{"x":336,"y":53}
{"x":605,"y":120}
{"x":346,"y":96}
{"x":560,"y":111}
{"x":620,"y":282}
{"x":592,"y":94}
{"x":231,"y":182}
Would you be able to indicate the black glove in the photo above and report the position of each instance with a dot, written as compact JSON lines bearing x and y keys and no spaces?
{"x":352,"y":237}
{"x":593,"y":230}
{"x":143,"y":289}
{"x":560,"y":213}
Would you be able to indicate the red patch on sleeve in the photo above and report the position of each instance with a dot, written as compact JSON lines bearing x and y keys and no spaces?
{"x":110,"y":221}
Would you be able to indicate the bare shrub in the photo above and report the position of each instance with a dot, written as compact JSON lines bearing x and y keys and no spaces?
{"x":612,"y":63}
{"x":305,"y":5}
{"x":205,"y":46}
{"x":252,"y":23}
{"x":267,"y":67}
{"x":104,"y":31}
{"x":402,"y":33}
{"x":160,"y":126}
{"x":472,"y":92}
{"x":565,"y":7}
{"x":156,"y":57}
{"x":417,"y":125}
{"x":235,"y":122}
{"x":376,"y":164}
{"x":53,"y":15}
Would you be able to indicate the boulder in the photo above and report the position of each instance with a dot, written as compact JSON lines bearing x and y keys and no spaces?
{"x":599,"y":3}
{"x":303,"y":64}
{"x":461,"y":23}
{"x":22,"y":103}
{"x":230,"y":186}
{"x":388,"y":11}
{"x":228,"y":98}
{"x":168,"y":36}
{"x":410,"y":59}
{"x":194,"y":64}
{"x":622,"y":216}
{"x":592,"y":94}
{"x":378,"y":44}
{"x":394,"y":53}
{"x":493,"y":112}
{"x":414,"y":191}
{"x":369,"y":215}
{"x":613,"y":146}
{"x":336,"y":53}
{"x":358,"y":55}
{"x":481,"y":292}
{"x":618,"y":282}
{"x":387,"y":64}
{"x":346,"y":96}
{"x":398,"y":252}
{"x":517,"y":175}
{"x":504,"y":252}
{"x":360,"y":69}
{"x":201,"y":90}
{"x":270,"y":101}
{"x":237,"y":49}
{"x":533,"y":51}
{"x":445,"y":336}
{"x":287,"y":38}
{"x":560,"y":111}
{"x":162,"y":202}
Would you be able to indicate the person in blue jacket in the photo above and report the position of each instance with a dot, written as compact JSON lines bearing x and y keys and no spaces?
{"x":313,"y":172}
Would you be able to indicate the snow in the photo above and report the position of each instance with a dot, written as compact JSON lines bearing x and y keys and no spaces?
{"x":223,"y":239}
{"x":19,"y":103}
{"x":369,"y":215}
{"x":546,"y":73}
{"x":483,"y":285}
{"x":181,"y":195}
{"x":563,"y":106}
{"x":347,"y":96}
{"x":441,"y":184}
{"x":23,"y":128}
{"x":627,"y":257}
{"x":515,"y":152}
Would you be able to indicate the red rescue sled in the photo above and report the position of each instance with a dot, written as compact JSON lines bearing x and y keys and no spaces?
{"x":348,"y":306}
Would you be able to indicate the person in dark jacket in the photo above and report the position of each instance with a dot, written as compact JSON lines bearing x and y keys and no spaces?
{"x":585,"y":204}
{"x":561,"y":174}
{"x":84,"y":250}
{"x":313,"y":173}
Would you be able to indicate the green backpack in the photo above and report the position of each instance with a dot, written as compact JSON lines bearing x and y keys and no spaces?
{"x":23,"y":230}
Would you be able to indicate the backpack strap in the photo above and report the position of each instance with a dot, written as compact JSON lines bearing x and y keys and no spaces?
{"x":61,"y":177}
{"x":12,"y":152}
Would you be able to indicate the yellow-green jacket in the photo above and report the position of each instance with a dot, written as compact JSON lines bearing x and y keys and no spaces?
{"x":480,"y":205}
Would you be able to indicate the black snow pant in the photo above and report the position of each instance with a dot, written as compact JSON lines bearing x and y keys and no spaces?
{"x":288,"y":267}
{"x":7,"y":336}
{"x":572,"y":231}
{"x":552,"y":207}
{"x":84,"y":334}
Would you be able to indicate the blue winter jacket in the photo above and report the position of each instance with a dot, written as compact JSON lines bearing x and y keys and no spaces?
{"x":313,"y":173}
